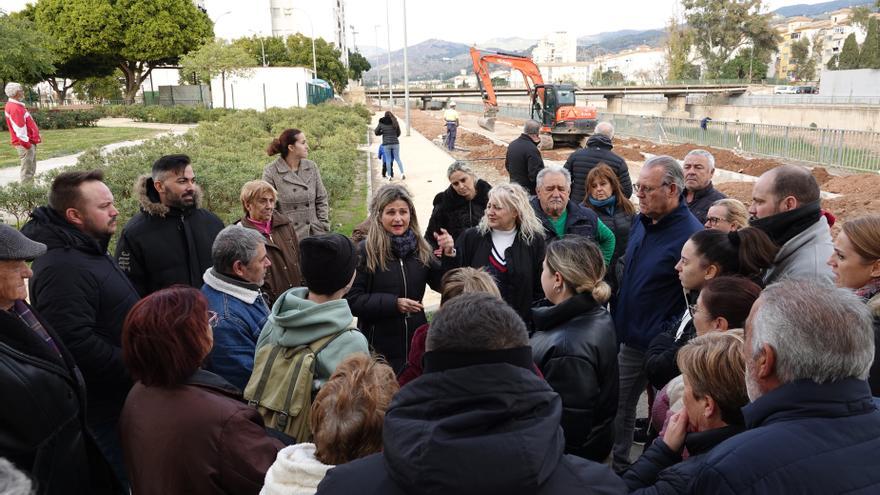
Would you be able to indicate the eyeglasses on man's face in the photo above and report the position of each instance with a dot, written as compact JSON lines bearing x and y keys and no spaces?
{"x":639,"y":188}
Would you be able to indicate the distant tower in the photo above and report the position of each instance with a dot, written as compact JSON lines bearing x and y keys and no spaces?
{"x":341,"y":31}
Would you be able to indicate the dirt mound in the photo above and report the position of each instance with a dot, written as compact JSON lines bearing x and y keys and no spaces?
{"x":484,"y":153}
{"x":737,"y":190}
{"x":822,"y":176}
{"x":852,"y":206}
{"x":629,"y":154}
{"x":859,"y":183}
{"x":470,"y":139}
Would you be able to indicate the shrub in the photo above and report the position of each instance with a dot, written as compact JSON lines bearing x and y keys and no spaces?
{"x":231,"y":151}
{"x":62,"y":119}
{"x":177,"y":114}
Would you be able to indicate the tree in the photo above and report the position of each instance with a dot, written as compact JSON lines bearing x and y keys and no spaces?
{"x":357,"y":65}
{"x":330,"y":66}
{"x":725,"y":26}
{"x":500,"y":82}
{"x":136,"y":35}
{"x":217,"y":58}
{"x":869,"y":57}
{"x":747,"y":63}
{"x":24,"y":57}
{"x":274,"y":48}
{"x":101,"y":89}
{"x":849,"y":54}
{"x":860,"y":16}
{"x":832,"y":62}
{"x":805,"y":65}
{"x":679,"y":40}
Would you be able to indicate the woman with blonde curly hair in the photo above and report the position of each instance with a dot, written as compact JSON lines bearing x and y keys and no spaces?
{"x":395,"y":265}
{"x":509,"y":243}
{"x":575,"y":345}
{"x":346,"y":421}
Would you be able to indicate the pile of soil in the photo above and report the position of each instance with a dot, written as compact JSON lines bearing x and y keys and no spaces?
{"x":854,"y":184}
{"x":471,"y":140}
{"x":737,"y":190}
{"x":479,"y":155}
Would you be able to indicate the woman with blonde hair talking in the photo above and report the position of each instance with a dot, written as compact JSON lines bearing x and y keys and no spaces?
{"x":509,"y":243}
{"x":575,"y":345}
{"x":395,"y":265}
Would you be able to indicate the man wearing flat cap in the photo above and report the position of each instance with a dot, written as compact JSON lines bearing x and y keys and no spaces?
{"x":80,"y":290}
{"x":41,"y":389}
{"x":305,"y":314}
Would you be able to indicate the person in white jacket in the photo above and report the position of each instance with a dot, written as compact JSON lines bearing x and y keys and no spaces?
{"x":346,"y":421}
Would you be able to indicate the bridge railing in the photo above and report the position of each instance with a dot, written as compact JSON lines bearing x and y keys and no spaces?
{"x":853,"y":150}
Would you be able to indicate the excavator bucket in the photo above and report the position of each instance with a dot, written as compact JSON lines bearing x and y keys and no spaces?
{"x":487,"y":123}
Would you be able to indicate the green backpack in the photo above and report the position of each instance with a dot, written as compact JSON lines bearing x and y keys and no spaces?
{"x":282,"y":387}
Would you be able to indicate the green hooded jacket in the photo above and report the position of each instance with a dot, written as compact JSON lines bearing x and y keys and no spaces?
{"x":295,"y":320}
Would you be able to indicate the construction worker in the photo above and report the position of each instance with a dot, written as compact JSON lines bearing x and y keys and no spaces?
{"x":452,"y":121}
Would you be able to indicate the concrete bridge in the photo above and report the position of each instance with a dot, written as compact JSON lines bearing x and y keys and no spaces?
{"x":676,"y":95}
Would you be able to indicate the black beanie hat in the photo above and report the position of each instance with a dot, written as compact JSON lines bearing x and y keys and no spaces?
{"x":327,"y":262}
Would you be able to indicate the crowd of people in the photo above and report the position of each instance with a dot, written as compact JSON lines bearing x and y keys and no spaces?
{"x":272,"y":356}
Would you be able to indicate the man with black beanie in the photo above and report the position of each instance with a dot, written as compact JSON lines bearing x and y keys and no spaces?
{"x":786,"y":205}
{"x":303,"y":315}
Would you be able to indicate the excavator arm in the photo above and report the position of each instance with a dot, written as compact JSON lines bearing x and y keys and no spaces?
{"x":530,"y":72}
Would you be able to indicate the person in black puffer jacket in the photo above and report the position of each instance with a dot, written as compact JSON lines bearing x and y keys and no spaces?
{"x":389,"y":129}
{"x":509,"y":243}
{"x":575,"y":345}
{"x":461,"y":205}
{"x":169,"y":241}
{"x":44,"y":415}
{"x":606,"y":198}
{"x":523,"y":160}
{"x":395,"y":265}
{"x":81,"y":292}
{"x":598,"y":150}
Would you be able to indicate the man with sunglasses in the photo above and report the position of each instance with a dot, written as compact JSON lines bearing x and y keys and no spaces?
{"x":650,"y":297}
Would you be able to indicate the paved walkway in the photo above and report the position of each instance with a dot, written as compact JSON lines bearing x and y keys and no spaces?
{"x":12,"y":174}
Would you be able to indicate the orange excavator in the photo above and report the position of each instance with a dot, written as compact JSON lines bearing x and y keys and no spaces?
{"x":551,"y":104}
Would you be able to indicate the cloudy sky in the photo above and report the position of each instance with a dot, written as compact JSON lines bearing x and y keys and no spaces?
{"x":463,"y":21}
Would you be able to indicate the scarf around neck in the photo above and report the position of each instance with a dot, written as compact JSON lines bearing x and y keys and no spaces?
{"x":608,"y":203}
{"x":870,"y":290}
{"x":782,"y":227}
{"x":404,"y":244}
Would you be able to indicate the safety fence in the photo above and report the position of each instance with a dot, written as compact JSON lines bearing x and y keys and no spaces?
{"x":854,"y":150}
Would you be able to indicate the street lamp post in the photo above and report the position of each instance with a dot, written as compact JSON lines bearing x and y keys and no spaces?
{"x":405,"y":73}
{"x":312,"y":25}
{"x":388,"y":25}
{"x":262,"y":46}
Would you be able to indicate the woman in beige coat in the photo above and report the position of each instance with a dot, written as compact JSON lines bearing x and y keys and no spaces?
{"x":301,"y":194}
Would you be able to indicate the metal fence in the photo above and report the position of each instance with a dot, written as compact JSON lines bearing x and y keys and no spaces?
{"x":318,"y":93}
{"x":853,"y":150}
{"x":782,"y":100}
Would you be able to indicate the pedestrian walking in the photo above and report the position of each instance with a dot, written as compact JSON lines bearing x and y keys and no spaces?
{"x":389,"y":129}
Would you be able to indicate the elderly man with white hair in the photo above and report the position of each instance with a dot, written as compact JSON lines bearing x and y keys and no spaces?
{"x":700,"y":194}
{"x":597,"y":151}
{"x":812,"y":425}
{"x":23,"y":130}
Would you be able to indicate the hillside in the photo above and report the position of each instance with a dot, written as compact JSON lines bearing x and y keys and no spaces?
{"x":817,"y":8}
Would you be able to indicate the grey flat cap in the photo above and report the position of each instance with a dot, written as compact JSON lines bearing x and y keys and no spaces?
{"x":15,"y":246}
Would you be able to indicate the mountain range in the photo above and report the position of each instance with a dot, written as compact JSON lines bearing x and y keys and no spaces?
{"x":440,"y":59}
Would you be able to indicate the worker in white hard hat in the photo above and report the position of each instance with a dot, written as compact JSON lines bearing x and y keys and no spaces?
{"x":452,"y":121}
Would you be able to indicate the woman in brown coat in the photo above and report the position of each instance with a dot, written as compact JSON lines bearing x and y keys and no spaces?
{"x":183,"y":429}
{"x":301,"y":194}
{"x":258,"y":198}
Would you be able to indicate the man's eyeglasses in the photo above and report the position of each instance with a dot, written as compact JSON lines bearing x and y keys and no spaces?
{"x":646,"y":189}
{"x":713,"y":221}
{"x":213,"y":318}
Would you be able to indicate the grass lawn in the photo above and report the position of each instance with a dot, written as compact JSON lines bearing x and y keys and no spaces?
{"x":69,"y":141}
{"x":351,"y":211}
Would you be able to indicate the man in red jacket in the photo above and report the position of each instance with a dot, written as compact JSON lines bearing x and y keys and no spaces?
{"x":23,"y":129}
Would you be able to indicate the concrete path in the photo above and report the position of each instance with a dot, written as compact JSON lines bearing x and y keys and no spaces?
{"x":12,"y":174}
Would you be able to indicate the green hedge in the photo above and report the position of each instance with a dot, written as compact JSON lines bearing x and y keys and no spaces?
{"x":61,"y":119}
{"x":225,"y":154}
{"x":177,"y":114}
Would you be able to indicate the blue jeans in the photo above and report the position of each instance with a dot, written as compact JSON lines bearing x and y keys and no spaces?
{"x":392,"y":154}
{"x":451,"y":131}
{"x":633,"y":381}
{"x":106,"y":437}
